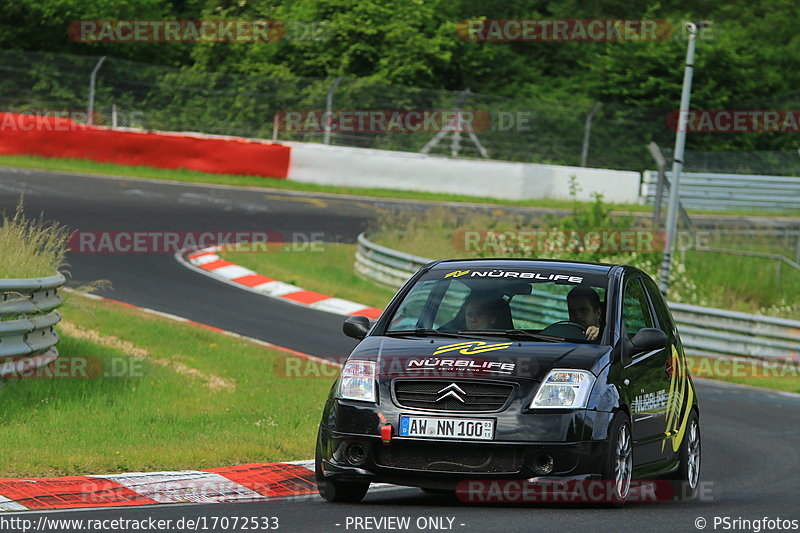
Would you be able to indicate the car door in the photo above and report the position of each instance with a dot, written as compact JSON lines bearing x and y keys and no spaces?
{"x":644,"y":373}
{"x":674,"y":370}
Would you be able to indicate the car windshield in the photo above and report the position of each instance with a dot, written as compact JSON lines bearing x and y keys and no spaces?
{"x":535,"y":304}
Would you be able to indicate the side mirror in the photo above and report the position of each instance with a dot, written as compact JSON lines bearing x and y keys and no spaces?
{"x":648,"y":339}
{"x":356,"y":327}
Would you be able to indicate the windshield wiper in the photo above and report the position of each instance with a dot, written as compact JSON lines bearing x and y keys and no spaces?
{"x":512,"y":333}
{"x":423,"y":332}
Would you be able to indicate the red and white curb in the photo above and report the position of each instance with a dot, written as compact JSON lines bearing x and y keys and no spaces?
{"x":253,"y":482}
{"x":207,"y":262}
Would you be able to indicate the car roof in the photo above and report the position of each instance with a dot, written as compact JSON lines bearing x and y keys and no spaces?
{"x":505,"y":262}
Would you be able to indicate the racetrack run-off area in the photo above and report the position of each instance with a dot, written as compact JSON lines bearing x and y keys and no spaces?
{"x":750,"y":461}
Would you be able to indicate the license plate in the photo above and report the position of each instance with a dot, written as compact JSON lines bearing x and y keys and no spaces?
{"x":447,"y":428}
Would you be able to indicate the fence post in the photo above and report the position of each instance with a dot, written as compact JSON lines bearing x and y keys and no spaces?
{"x":797,"y":249}
{"x":329,"y":110}
{"x":587,"y":131}
{"x":677,"y":161}
{"x":92,"y":78}
{"x":655,"y":151}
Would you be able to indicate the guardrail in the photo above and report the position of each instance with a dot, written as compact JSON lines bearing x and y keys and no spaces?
{"x":703,"y":190}
{"x":27,"y":319}
{"x":704,"y":330}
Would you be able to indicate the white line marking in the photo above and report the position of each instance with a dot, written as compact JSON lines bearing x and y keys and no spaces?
{"x":278,"y":288}
{"x":203,"y":259}
{"x":233,"y":271}
{"x":338,"y":306}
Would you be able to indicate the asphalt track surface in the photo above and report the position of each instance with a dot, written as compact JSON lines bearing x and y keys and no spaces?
{"x":751,"y":439}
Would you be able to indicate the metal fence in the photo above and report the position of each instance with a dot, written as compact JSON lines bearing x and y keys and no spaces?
{"x":704,"y":330}
{"x":138,"y":95}
{"x":27,"y":319}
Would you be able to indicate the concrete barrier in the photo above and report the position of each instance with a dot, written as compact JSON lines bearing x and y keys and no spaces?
{"x":366,"y":168}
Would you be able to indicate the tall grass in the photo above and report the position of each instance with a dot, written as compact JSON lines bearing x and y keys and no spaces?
{"x":31,"y":248}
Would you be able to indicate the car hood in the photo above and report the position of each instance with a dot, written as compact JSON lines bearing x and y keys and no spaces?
{"x":495,"y":357}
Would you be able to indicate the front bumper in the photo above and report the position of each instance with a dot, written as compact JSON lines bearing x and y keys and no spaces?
{"x":443,"y":464}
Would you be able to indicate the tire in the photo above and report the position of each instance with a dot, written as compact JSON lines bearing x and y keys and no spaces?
{"x":619,"y":463}
{"x":337,"y":491}
{"x":686,"y":479}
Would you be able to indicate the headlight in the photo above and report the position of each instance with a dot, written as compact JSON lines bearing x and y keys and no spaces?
{"x":358,"y":381}
{"x":564,"y":389}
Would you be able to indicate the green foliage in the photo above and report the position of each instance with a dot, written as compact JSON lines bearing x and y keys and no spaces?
{"x":747,"y":59}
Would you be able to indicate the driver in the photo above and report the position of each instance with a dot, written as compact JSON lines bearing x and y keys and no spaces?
{"x":584,"y":308}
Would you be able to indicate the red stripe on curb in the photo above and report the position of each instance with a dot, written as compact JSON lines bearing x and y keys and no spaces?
{"x":70,"y":492}
{"x":305,"y":297}
{"x":273,"y":480}
{"x":213,"y":265}
{"x":251,"y":280}
{"x":369,"y":312}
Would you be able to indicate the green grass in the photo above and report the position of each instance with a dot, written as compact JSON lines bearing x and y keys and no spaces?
{"x":747,"y":284}
{"x":328,"y":272}
{"x":202,"y":400}
{"x":85,"y":166}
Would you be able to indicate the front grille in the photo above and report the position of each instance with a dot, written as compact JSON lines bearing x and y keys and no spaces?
{"x":450,"y":457}
{"x":446,"y":395}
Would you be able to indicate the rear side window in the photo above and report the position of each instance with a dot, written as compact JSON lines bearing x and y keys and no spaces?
{"x":635,"y":311}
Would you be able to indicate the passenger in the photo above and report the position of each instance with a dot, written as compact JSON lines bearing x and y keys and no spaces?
{"x":584,"y":308}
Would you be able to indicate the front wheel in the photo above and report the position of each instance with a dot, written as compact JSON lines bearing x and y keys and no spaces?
{"x":619,"y":463}
{"x":687,"y":477}
{"x":337,"y":491}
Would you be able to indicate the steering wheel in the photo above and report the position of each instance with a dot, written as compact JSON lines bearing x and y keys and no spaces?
{"x":567,"y":324}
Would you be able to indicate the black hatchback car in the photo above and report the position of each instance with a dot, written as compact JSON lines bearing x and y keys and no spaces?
{"x":512,"y":369}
